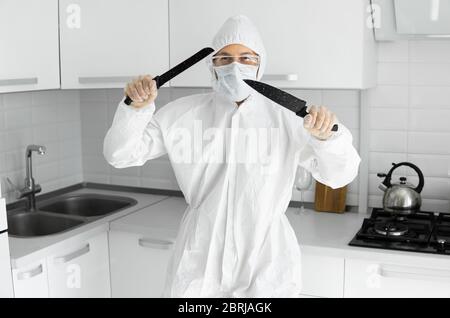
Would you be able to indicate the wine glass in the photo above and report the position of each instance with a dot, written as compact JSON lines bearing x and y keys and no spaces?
{"x":303,"y":180}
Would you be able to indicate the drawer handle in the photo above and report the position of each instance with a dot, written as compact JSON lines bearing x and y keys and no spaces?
{"x":280,"y":77}
{"x":31,"y":273}
{"x":73,"y":255}
{"x":154,"y":243}
{"x":413,"y":273}
{"x":19,"y":81}
{"x":103,"y":79}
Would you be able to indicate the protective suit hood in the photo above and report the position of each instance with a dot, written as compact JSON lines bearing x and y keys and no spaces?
{"x":239,"y":30}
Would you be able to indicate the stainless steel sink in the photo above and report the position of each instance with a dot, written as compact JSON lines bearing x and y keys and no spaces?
{"x":64,"y":212}
{"x":88,"y":205}
{"x":26,"y":224}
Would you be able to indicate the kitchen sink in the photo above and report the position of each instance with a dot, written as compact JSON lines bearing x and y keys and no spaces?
{"x":26,"y":224}
{"x":88,"y":205}
{"x":64,"y":212}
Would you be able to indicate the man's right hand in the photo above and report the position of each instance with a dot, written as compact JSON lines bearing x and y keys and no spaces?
{"x":142,"y":91}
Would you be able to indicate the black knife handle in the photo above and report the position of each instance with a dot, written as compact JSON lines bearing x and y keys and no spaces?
{"x":302,"y":113}
{"x":128,"y":100}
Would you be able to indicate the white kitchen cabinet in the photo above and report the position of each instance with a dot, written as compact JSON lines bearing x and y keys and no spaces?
{"x":307,"y":296}
{"x":105,"y":43}
{"x":30,"y":281}
{"x":377,"y":279}
{"x":80,"y":269}
{"x":411,"y":19}
{"x":309,"y":43}
{"x":139,"y":264}
{"x":6,"y":285}
{"x":29,"y":54}
{"x":322,"y":276}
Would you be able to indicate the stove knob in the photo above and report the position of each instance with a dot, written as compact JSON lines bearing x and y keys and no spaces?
{"x":441,"y":243}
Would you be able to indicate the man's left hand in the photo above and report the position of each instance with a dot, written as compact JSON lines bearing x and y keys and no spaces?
{"x":319,"y":122}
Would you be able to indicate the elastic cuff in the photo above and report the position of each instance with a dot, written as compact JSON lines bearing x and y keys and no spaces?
{"x":321,"y":144}
{"x":150,"y":108}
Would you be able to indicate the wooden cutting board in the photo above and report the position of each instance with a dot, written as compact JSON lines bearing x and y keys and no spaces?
{"x":330,"y":200}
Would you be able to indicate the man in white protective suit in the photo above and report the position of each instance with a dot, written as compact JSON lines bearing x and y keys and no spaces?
{"x":234,"y":154}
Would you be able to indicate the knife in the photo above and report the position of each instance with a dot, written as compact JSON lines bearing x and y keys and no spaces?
{"x":297,"y":105}
{"x":174,"y":71}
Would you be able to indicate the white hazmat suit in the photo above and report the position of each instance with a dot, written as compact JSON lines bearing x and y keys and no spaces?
{"x":235,"y":167}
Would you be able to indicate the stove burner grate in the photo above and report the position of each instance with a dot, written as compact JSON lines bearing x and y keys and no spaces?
{"x":425,"y":232}
{"x":391,"y":228}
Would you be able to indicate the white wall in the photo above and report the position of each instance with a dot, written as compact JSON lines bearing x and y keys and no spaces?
{"x":97,"y":111}
{"x":98,"y":108}
{"x":50,"y":118}
{"x":410,"y":116}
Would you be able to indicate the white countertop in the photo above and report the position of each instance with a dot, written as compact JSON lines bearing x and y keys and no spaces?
{"x":317,"y":232}
{"x":160,"y":216}
{"x":158,"y":220}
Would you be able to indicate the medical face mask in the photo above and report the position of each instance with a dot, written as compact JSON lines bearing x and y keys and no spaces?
{"x":230,"y":80}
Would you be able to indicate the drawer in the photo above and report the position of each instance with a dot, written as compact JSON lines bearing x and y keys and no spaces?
{"x":376,"y":279}
{"x":322,"y":276}
{"x":139,"y":264}
{"x":31,"y":281}
{"x":81,"y":270}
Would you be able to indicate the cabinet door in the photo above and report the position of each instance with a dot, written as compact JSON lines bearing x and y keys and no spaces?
{"x":29,"y":58}
{"x":6,"y":286}
{"x":138,"y":264}
{"x":31,"y":281}
{"x":307,"y":296}
{"x":105,"y":43}
{"x":372,"y":279}
{"x":309,"y":43}
{"x":81,"y":269}
{"x":322,"y":276}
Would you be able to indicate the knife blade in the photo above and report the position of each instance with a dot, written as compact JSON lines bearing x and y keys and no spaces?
{"x":181,"y":67}
{"x":295,"y":104}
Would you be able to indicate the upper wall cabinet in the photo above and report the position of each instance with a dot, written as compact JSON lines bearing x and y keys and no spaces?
{"x":411,"y":19}
{"x":309,"y":43}
{"x":105,"y":43}
{"x":29,"y":58}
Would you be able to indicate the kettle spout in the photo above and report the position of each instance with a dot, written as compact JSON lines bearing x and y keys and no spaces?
{"x":382,"y":187}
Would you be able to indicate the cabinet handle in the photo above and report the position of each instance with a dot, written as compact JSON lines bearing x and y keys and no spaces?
{"x":19,"y":81}
{"x":280,"y":77}
{"x":105,"y":79}
{"x":31,"y":273}
{"x":392,"y":271}
{"x":154,"y":243}
{"x":71,"y":256}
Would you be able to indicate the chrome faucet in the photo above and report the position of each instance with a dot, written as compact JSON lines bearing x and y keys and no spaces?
{"x":30,"y":189}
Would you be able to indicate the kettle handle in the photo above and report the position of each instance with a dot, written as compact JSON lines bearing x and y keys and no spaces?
{"x":418,"y":189}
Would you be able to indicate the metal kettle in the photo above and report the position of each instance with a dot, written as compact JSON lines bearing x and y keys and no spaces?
{"x":401,"y":198}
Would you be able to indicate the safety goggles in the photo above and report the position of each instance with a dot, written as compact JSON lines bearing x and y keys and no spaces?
{"x":246,"y":59}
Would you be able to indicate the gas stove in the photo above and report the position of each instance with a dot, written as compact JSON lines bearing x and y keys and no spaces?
{"x":424,"y":232}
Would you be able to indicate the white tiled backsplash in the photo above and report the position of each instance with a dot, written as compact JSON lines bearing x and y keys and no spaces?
{"x":50,"y":118}
{"x":409,"y":115}
{"x":98,"y":108}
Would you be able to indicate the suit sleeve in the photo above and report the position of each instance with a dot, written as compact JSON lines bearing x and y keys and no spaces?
{"x":134,"y":137}
{"x":333,"y":162}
